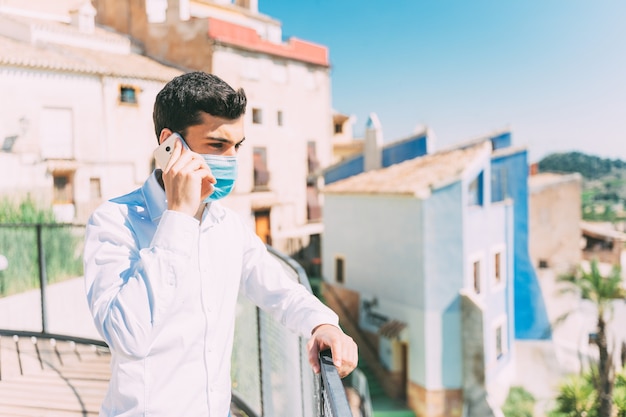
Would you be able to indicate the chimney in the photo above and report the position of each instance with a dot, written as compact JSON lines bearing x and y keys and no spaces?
{"x":84,"y":17}
{"x":373,"y":143}
{"x":177,"y":10}
{"x":251,"y":5}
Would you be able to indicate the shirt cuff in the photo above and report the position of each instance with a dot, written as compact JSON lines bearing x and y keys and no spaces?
{"x":316,"y":319}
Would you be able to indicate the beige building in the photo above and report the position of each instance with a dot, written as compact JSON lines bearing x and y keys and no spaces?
{"x":76,"y":114}
{"x":554,"y":220}
{"x":345,"y":145}
{"x":289,"y":119}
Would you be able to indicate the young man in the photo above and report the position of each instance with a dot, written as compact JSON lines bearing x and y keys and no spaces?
{"x":165,"y":263}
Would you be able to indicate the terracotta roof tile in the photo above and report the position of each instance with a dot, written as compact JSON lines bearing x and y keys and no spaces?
{"x":60,"y":57}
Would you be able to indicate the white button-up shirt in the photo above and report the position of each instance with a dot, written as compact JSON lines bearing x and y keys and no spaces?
{"x":162,"y":288}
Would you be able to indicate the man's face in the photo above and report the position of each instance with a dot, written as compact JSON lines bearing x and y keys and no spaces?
{"x":214,"y":136}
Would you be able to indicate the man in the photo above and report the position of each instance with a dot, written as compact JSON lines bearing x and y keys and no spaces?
{"x":165,"y":263}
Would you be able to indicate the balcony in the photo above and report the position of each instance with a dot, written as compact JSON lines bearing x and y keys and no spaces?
{"x":52,"y":361}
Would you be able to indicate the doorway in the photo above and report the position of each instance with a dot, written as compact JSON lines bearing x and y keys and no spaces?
{"x":262,"y":225}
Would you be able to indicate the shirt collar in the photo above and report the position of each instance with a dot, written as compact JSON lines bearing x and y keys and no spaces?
{"x":156,"y":203}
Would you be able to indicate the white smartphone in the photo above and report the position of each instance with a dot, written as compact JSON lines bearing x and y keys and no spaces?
{"x":163,"y":153}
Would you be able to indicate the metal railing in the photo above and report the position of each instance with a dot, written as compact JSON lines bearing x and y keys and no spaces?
{"x":270,"y":371}
{"x":333,"y":401}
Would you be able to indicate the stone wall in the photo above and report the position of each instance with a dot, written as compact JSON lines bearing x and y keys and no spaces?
{"x":175,"y":42}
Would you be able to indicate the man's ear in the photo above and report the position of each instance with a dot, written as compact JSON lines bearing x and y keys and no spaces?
{"x":165,"y":133}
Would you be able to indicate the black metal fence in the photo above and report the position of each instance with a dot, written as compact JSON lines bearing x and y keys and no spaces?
{"x":271,"y":375}
{"x":333,"y":402}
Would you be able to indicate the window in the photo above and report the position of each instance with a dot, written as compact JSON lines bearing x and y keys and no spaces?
{"x":128,"y":94}
{"x":476,"y":276}
{"x":338,"y":128}
{"x":499,"y":183}
{"x":499,"y":343}
{"x":261,"y":173}
{"x":257,"y":116}
{"x":339,"y":269}
{"x":279,"y":118}
{"x":313,"y":163}
{"x":497,"y":268}
{"x":95,"y":191}
{"x":63,"y":192}
{"x":475,"y":191}
{"x":8,"y":142}
{"x":500,"y":337}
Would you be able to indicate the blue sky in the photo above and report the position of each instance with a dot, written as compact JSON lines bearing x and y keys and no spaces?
{"x":552,"y":71}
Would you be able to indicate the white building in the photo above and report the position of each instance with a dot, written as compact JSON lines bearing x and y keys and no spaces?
{"x":419,"y":256}
{"x":76,"y":114}
{"x":289,"y":121}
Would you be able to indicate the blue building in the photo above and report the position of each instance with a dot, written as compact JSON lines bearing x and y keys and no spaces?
{"x":509,"y":179}
{"x":423,"y":254}
{"x":378,"y":154}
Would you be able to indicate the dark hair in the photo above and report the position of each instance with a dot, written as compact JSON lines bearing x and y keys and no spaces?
{"x":180,"y":103}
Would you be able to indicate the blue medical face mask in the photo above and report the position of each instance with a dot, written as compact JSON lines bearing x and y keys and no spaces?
{"x":224,"y":169}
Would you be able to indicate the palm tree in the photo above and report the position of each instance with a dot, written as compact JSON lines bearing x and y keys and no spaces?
{"x":577,"y":398}
{"x":602,"y":291}
{"x":619,"y":394}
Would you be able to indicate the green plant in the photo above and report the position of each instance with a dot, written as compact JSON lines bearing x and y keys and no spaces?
{"x":602,"y":291}
{"x":577,"y":398}
{"x":22,"y":226}
{"x":519,"y":403}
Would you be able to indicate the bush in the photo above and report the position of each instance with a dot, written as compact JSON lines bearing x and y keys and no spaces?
{"x":519,"y":403}
{"x":20,"y":224}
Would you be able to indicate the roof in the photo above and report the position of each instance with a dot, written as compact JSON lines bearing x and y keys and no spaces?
{"x":544,"y":180}
{"x":58,"y":8}
{"x":247,"y":38}
{"x":340,"y":117}
{"x":603,"y":231}
{"x":414,"y":177}
{"x":392,"y":329}
{"x":481,"y":138}
{"x":60,"y":57}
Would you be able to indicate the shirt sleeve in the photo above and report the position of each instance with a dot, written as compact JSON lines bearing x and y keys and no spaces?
{"x":267,"y":284}
{"x":131,"y":289}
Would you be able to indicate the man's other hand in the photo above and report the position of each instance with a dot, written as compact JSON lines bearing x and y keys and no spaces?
{"x":344,"y":350}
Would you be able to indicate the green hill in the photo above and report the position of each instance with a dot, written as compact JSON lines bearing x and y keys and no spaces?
{"x":604,"y":182}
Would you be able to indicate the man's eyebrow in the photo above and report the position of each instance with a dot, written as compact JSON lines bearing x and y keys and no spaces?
{"x":224,"y":140}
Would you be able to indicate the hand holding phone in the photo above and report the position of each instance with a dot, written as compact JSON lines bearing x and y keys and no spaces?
{"x":188,"y":180}
{"x":163,"y":153}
